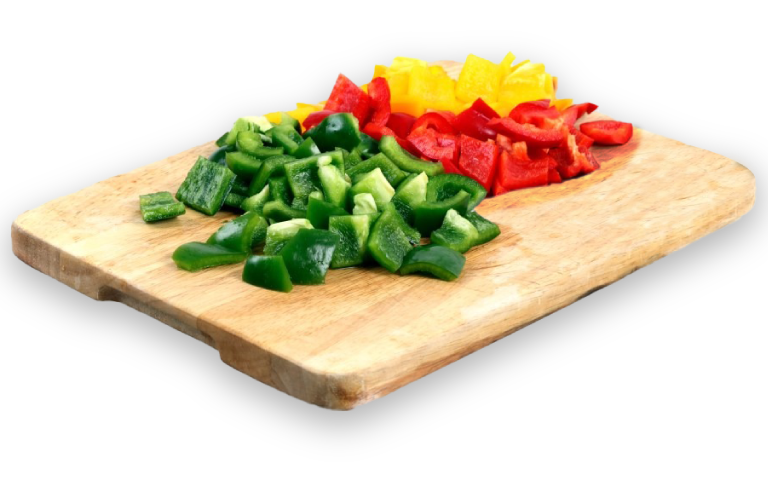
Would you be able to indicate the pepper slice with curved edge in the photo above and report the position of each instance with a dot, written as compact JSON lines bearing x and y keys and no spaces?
{"x":486,"y":229}
{"x":302,"y":177}
{"x":607,"y":132}
{"x":334,"y":185}
{"x":206,"y":186}
{"x":287,"y":138}
{"x":389,"y":242}
{"x":320,"y":211}
{"x":393,"y":174}
{"x":446,"y":186}
{"x":517,"y":170}
{"x":315,"y":118}
{"x":348,"y":97}
{"x":308,"y":255}
{"x":401,"y":123}
{"x":279,"y":190}
{"x":456,"y":233}
{"x":256,"y":202}
{"x":405,"y":161}
{"x":159,"y":206}
{"x":530,"y":134}
{"x":434,"y":121}
{"x":222,"y":140}
{"x":195,"y":256}
{"x":337,"y":130}
{"x":479,"y":159}
{"x":278,"y":211}
{"x":307,"y":148}
{"x":248,"y":142}
{"x":364,"y":204}
{"x":377,"y":131}
{"x":534,"y":112}
{"x":243,"y":164}
{"x":429,"y":215}
{"x":290,"y":122}
{"x":279,"y":233}
{"x":436,"y":260}
{"x":474,"y":121}
{"x":435,"y":145}
{"x":378,"y":91}
{"x":268,"y":272}
{"x":410,"y":193}
{"x":271,"y":166}
{"x":242,"y":233}
{"x":219,"y":155}
{"x":353,"y":232}
{"x":368,"y":146}
{"x":375,"y":183}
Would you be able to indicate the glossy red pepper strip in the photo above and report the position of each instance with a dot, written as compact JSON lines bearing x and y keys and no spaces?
{"x":533,"y":112}
{"x":434,"y":145}
{"x":348,"y":97}
{"x":531,"y":134}
{"x":315,"y":118}
{"x":607,"y":132}
{"x":377,"y":131}
{"x":378,"y":91}
{"x":401,"y":123}
{"x":479,"y":160}
{"x":517,"y":170}
{"x":435,"y":121}
{"x":484,"y":109}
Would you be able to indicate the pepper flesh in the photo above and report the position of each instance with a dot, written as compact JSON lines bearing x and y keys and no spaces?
{"x":242,"y":233}
{"x":353,"y":232}
{"x":195,"y":256}
{"x":429,"y":215}
{"x":267,"y":272}
{"x":159,"y":206}
{"x":388,"y":242}
{"x":206,"y":186}
{"x":337,"y":130}
{"x":348,"y":97}
{"x":436,"y":260}
{"x":456,"y":233}
{"x":446,"y":186}
{"x":405,"y":161}
{"x":308,"y":255}
{"x":391,"y":172}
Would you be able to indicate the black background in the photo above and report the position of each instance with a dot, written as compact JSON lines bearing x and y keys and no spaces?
{"x":669,"y":360}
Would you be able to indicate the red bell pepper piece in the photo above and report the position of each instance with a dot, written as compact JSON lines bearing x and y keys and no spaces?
{"x":584,"y":108}
{"x":517,"y":170}
{"x":524,"y":132}
{"x":450,"y":166}
{"x":378,"y":91}
{"x":538,"y":153}
{"x":607,"y":132}
{"x":348,"y":97}
{"x":504,"y":142}
{"x":315,"y":118}
{"x":450,"y":116}
{"x":572,"y":160}
{"x":401,"y":123}
{"x":554,"y":176}
{"x":484,"y":109}
{"x":533,"y":112}
{"x":377,"y":131}
{"x":478,"y":160}
{"x":434,"y":145}
{"x":435,"y":121}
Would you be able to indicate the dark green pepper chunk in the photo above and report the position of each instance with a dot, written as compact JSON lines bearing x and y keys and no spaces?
{"x":271,"y":166}
{"x":410,"y":194}
{"x":280,"y":190}
{"x":319,"y":211}
{"x":368,"y":147}
{"x":240,"y":186}
{"x":286,"y":137}
{"x":267,"y":272}
{"x":429,"y":216}
{"x":388,"y":242}
{"x":352,"y":159}
{"x":159,"y":206}
{"x":486,"y":229}
{"x":456,"y":233}
{"x":337,"y":130}
{"x":446,"y":186}
{"x":393,"y":174}
{"x":195,"y":256}
{"x":307,"y":148}
{"x":234,"y":201}
{"x":436,"y":260}
{"x":249,"y":142}
{"x":353,"y":231}
{"x":242,"y":233}
{"x":222,"y":140}
{"x":219,"y":155}
{"x":244,"y":165}
{"x":308,"y":255}
{"x":280,"y":212}
{"x":407,"y":162}
{"x":302,"y":177}
{"x":206,"y":186}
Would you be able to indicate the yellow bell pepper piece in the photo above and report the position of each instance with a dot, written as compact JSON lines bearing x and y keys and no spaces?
{"x":398,"y":83}
{"x":379,"y":71}
{"x":274,"y":117}
{"x":562,"y":103}
{"x":516,"y":89}
{"x":478,"y":78}
{"x":407,"y":104}
{"x":506,"y":62}
{"x":405,"y":64}
{"x":528,"y":68}
{"x":436,"y":90}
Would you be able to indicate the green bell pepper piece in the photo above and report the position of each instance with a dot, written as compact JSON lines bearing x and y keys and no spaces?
{"x":271,"y":166}
{"x":249,"y":142}
{"x":206,"y":186}
{"x":389,"y":240}
{"x":195,"y":256}
{"x":267,"y":272}
{"x":302,"y":177}
{"x":456,"y":233}
{"x":243,"y":124}
{"x":308,"y":255}
{"x":352,"y":159}
{"x":219,"y":155}
{"x":242,"y":233}
{"x":337,"y":130}
{"x":446,"y":186}
{"x":364,"y":204}
{"x":278,"y":211}
{"x":375,"y":183}
{"x":287,"y":138}
{"x":407,"y":162}
{"x":393,"y":174}
{"x":428,"y":216}
{"x":240,"y":186}
{"x":290,"y":122}
{"x":436,"y":260}
{"x":307,"y":148}
{"x":279,"y":233}
{"x":280,"y":190}
{"x":244,"y":165}
{"x":368,"y":147}
{"x":256,"y":202}
{"x":486,"y":229}
{"x":333,"y":184}
{"x":159,"y":206}
{"x":319,"y":211}
{"x":233,"y":201}
{"x":410,"y":194}
{"x":222,"y":140}
{"x":353,"y":231}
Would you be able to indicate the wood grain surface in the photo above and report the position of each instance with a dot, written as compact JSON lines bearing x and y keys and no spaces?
{"x":367,"y":332}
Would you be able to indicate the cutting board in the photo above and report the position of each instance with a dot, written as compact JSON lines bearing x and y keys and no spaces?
{"x":367,"y":332}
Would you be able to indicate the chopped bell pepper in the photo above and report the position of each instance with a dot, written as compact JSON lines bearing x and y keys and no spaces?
{"x":337,"y":130}
{"x":243,"y":124}
{"x":375,"y":183}
{"x":405,"y":161}
{"x":368,"y":146}
{"x":432,"y":86}
{"x":206,"y":186}
{"x":443,"y":187}
{"x":195,"y":256}
{"x":530,"y":134}
{"x":279,"y":189}
{"x":389,"y":240}
{"x":353,"y":232}
{"x":478,"y":160}
{"x":279,"y":233}
{"x":315,"y":118}
{"x":302,"y":177}
{"x":429,"y":215}
{"x":517,"y":170}
{"x":333,"y":184}
{"x":159,"y":206}
{"x":271,"y":166}
{"x":308,"y":255}
{"x":486,"y":229}
{"x":244,"y":165}
{"x":248,"y":142}
{"x":233,"y":201}
{"x":436,"y":260}
{"x":607,"y":132}
{"x":364,"y":204}
{"x":278,"y":211}
{"x":307,"y":148}
{"x":219,"y":155}
{"x":456,"y":233}
{"x":267,"y":272}
{"x":401,"y":123}
{"x":474,"y":121}
{"x":478,"y":78}
{"x":242,"y":233}
{"x":391,"y":172}
{"x":378,"y":91}
{"x":256,"y":202}
{"x":411,"y":192}
{"x":435,"y":121}
{"x":319,"y":211}
{"x":377,"y":131}
{"x":435,"y":145}
{"x":348,"y":97}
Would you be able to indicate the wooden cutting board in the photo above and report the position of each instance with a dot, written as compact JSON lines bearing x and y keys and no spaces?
{"x":367,"y":332}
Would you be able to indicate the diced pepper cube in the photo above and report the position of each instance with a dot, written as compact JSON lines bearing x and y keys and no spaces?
{"x":456,"y":233}
{"x":206,"y":186}
{"x":159,"y":206}
{"x":478,"y":78}
{"x":353,"y":231}
{"x":267,"y":272}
